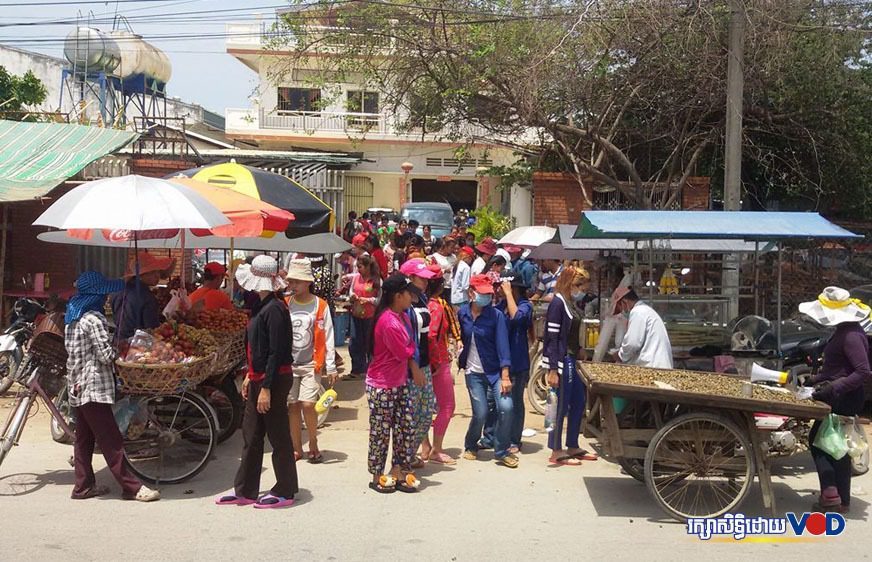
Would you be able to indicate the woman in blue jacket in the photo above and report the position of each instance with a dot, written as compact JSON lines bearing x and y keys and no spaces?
{"x":486,"y":359}
{"x":562,"y":347}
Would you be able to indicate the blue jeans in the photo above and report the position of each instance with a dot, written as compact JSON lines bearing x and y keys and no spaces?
{"x":479,"y":388}
{"x":519,"y":385}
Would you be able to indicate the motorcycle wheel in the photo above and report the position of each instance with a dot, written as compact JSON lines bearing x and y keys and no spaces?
{"x":537,"y":387}
{"x":228,"y":406}
{"x":62,"y":403}
{"x":8,"y":365}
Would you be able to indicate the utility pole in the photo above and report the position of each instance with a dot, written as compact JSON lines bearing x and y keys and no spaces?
{"x":733,"y":142}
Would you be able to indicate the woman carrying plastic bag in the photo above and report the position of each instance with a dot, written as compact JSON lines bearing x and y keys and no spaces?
{"x":840,"y":384}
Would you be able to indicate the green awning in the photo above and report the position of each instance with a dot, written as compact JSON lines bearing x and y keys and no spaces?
{"x":37,"y":157}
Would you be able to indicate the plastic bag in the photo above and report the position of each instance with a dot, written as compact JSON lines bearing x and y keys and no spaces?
{"x":857,"y":444}
{"x":831,"y":437}
{"x":123,"y":412}
{"x":179,"y":302}
{"x":551,"y":410}
{"x":138,"y":346}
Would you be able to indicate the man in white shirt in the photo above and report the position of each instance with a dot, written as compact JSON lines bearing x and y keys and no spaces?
{"x":646,"y":342}
{"x":444,"y":257}
{"x":460,"y":282}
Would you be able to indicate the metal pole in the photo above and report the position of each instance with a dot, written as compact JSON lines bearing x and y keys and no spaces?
{"x":756,"y":278}
{"x":733,"y":142}
{"x":3,"y":262}
{"x":778,"y":313}
{"x":635,"y":263}
{"x":651,"y":270}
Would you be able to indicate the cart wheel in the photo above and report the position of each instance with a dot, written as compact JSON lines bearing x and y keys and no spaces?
{"x":697,"y":466}
{"x":638,"y":415}
{"x":633,"y":467}
{"x":174,"y":441}
{"x":227,"y":403}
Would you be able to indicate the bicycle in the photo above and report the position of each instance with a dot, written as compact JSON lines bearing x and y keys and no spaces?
{"x":170,"y":437}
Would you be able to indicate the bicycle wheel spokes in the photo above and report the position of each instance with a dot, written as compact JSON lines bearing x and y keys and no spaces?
{"x":698,"y":467}
{"x":163,"y":451}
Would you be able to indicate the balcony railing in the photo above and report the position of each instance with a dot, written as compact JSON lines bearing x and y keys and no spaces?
{"x":265,"y":33}
{"x":325,"y":122}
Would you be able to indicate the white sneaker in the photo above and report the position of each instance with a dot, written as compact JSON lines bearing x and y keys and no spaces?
{"x":146,"y":494}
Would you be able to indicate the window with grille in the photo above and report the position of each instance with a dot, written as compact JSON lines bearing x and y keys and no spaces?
{"x":299,"y":99}
{"x":360,"y":101}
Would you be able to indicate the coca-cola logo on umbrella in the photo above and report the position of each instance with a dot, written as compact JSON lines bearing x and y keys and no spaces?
{"x":123,"y":235}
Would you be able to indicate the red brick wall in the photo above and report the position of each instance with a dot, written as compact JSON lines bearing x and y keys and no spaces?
{"x":156,"y":168}
{"x":25,"y":254}
{"x":557,"y":199}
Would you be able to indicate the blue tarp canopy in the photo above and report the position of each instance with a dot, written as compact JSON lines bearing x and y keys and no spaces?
{"x":734,"y":225}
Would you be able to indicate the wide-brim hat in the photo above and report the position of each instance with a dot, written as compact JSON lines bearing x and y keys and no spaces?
{"x":617,"y":295}
{"x":149,"y":263}
{"x":487,"y":247}
{"x":300,"y":270}
{"x":835,"y":306}
{"x":261,"y":275}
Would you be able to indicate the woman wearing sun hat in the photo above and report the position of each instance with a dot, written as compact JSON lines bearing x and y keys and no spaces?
{"x":91,"y":387}
{"x":136,"y":307}
{"x":314,"y":354}
{"x":839,"y":383}
{"x":265,"y":391}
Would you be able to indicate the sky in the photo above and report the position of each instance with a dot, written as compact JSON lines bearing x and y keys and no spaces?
{"x":202,"y":70}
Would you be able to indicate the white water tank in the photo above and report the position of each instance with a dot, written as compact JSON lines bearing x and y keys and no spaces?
{"x":140,"y":57}
{"x":90,"y":49}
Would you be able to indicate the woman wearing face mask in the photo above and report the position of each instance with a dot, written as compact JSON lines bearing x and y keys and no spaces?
{"x":486,"y":358}
{"x":561,"y":351}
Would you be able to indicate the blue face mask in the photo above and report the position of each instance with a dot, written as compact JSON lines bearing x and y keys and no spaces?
{"x":483,"y":300}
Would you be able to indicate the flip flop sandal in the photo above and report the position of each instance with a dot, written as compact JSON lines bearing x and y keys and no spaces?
{"x":270,"y":501}
{"x":92,"y":493}
{"x":316,"y":458}
{"x":409,"y":484}
{"x":231,"y":499}
{"x":385,"y":485}
{"x":566,"y":461}
{"x":585,"y":455}
{"x":419,"y":462}
{"x":442,"y":458}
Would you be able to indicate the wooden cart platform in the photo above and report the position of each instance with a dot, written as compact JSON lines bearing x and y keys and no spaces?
{"x":660,"y":435}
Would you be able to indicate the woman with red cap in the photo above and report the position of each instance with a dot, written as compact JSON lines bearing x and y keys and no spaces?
{"x":210,"y":292}
{"x":487,"y":360}
{"x":485,"y":250}
{"x":443,"y":327}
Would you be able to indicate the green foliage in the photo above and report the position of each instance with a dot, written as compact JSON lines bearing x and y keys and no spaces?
{"x":18,"y":92}
{"x":489,"y":222}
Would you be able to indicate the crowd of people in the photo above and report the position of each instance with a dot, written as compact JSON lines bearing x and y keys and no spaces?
{"x":419,"y":306}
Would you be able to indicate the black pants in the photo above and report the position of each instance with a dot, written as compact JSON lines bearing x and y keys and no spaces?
{"x":273,"y":424}
{"x":832,"y":472}
{"x":359,"y":347}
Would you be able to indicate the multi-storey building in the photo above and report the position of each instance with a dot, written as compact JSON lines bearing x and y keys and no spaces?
{"x":288,"y":112}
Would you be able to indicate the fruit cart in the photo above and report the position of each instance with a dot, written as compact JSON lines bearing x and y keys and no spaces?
{"x":691,"y":437}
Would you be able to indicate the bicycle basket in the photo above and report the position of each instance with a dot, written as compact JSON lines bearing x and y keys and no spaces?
{"x":48,"y":354}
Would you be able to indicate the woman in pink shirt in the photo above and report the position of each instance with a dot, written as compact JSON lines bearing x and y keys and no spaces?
{"x":390,"y":406}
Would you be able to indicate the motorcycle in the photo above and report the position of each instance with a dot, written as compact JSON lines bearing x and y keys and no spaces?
{"x":14,"y":338}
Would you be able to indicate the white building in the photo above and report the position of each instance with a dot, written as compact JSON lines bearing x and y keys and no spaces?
{"x":292,"y":114}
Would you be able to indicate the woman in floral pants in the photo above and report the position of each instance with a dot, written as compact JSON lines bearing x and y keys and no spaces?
{"x":391,"y":412}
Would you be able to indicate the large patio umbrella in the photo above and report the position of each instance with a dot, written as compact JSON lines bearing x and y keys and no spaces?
{"x":529,"y":236}
{"x":134,"y":203}
{"x":312,"y":215}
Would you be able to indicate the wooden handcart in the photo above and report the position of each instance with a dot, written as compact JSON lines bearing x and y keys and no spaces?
{"x":696,"y":453}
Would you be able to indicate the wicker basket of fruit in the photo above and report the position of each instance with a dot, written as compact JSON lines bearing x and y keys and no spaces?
{"x":231,"y":350}
{"x":163,"y":378}
{"x":170,"y":359}
{"x":228,"y":329}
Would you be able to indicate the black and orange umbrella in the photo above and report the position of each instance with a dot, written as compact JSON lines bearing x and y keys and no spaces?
{"x":311,"y":214}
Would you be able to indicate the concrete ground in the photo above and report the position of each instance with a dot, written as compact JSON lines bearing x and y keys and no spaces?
{"x":475,"y":510}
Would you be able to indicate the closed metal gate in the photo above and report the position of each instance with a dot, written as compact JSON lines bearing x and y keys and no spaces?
{"x":358,"y":194}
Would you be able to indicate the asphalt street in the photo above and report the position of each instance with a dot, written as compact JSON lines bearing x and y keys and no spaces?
{"x":475,"y":510}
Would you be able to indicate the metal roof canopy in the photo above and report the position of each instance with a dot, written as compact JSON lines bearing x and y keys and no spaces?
{"x":760,"y":226}
{"x":37,"y":157}
{"x":566,"y":233}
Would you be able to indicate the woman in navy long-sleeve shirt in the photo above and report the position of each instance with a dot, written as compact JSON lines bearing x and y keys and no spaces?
{"x":561,"y":347}
{"x":840,"y":384}
{"x":487,"y":359}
